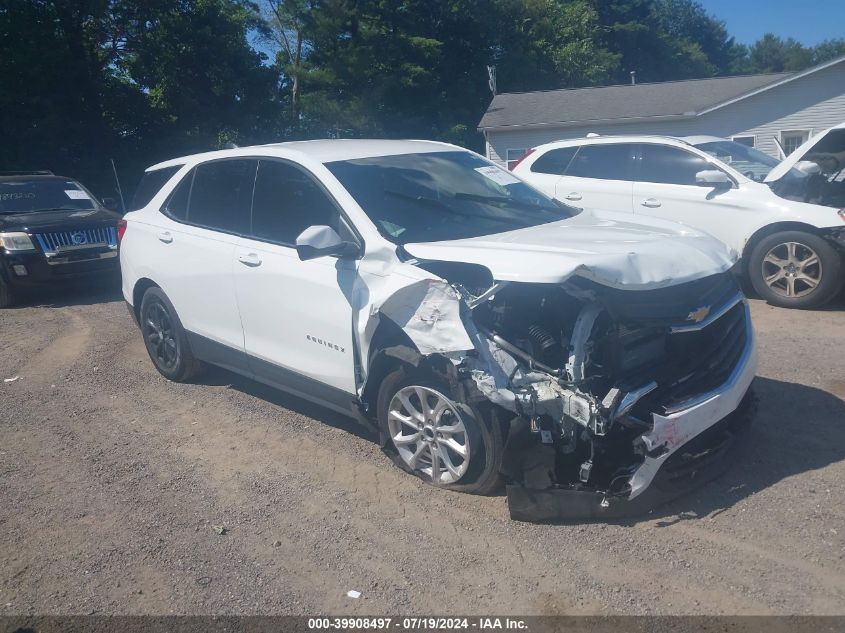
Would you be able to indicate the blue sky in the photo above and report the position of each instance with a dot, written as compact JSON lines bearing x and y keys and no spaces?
{"x":808,"y":21}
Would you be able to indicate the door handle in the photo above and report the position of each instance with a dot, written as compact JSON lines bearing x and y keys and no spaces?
{"x":249,"y":259}
{"x":165,"y":237}
{"x":573,"y":195}
{"x":651,"y":203}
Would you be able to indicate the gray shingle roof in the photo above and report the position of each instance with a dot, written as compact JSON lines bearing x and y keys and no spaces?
{"x":671,"y":98}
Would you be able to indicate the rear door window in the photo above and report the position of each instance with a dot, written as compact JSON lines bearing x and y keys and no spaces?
{"x":286,"y":202}
{"x":221,"y":195}
{"x":606,"y":161}
{"x":670,"y":165}
{"x":554,"y":161}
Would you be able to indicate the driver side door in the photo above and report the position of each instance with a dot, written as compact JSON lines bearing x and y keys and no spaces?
{"x":665,"y":187}
{"x":296,"y":315}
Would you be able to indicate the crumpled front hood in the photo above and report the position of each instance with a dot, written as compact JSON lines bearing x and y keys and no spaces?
{"x":613,"y":249}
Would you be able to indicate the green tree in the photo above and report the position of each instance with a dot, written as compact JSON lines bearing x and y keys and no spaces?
{"x":84,"y":81}
{"x":665,"y":39}
{"x":547,"y":44}
{"x":287,"y":24}
{"x":204,"y":84}
{"x":57,"y":96}
{"x":828,"y":49}
{"x":772,"y":54}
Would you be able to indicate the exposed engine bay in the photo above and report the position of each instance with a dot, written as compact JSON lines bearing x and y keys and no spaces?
{"x":592,"y":377}
{"x":824,"y":180}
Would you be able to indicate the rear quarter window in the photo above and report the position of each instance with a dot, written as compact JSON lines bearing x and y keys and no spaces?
{"x":176,"y":205}
{"x":151,"y":183}
{"x":554,"y":161}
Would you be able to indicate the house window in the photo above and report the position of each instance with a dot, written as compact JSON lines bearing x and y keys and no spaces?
{"x":748,"y":141}
{"x":514,"y":155}
{"x":792,"y":139}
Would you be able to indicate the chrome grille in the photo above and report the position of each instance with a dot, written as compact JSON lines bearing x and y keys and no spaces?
{"x":58,"y":242}
{"x":710,"y":355}
{"x":695,"y":362}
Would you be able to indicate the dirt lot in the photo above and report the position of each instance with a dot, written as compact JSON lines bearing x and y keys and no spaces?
{"x":111,"y":480}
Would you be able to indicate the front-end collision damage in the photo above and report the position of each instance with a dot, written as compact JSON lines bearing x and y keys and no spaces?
{"x":836,"y":235}
{"x":606,"y":388}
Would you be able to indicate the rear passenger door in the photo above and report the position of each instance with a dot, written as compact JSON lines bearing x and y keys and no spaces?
{"x":599,"y":177}
{"x":296,"y":315}
{"x":195,"y":247}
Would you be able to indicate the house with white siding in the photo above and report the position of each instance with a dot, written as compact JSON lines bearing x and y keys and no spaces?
{"x":769,"y":111}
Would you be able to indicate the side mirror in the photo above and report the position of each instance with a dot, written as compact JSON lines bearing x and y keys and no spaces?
{"x":321,"y":241}
{"x":808,"y":167}
{"x":714,"y":178}
{"x":110,"y":204}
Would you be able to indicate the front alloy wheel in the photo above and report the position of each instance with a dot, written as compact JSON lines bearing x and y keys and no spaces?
{"x":792,"y":269}
{"x":795,"y":269}
{"x":428,"y":432}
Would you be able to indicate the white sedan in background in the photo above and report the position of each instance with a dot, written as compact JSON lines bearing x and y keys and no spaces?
{"x":786,"y":219}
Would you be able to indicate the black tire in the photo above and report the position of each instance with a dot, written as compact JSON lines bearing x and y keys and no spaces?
{"x":827,"y":273}
{"x":7,"y":298}
{"x":165,"y":338}
{"x":483,"y":433}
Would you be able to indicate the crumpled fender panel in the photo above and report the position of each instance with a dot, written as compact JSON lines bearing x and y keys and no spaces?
{"x":429,"y":312}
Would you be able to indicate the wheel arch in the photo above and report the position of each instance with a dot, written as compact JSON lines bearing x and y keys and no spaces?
{"x":390,"y":349}
{"x":771,"y":229}
{"x":141,"y":286}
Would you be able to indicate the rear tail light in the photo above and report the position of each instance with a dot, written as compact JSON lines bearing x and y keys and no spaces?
{"x":121,"y":230}
{"x":523,"y":157}
{"x":842,"y":214}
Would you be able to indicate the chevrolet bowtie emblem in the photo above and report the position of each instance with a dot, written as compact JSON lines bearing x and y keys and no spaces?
{"x":697,"y":316}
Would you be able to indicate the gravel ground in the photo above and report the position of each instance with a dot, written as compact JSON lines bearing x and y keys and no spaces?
{"x":112,"y":480}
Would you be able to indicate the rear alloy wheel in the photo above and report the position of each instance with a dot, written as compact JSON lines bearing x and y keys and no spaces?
{"x":430,"y":432}
{"x":165,"y":338}
{"x":794,"y":269}
{"x":161,"y":337}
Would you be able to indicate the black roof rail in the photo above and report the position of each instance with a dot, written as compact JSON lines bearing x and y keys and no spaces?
{"x":41,"y":172}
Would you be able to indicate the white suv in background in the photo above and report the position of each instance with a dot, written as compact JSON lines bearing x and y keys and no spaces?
{"x":485,"y":330}
{"x":786,"y":220}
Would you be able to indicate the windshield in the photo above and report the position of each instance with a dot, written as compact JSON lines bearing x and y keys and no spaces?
{"x":750,"y":162}
{"x":443,"y":196}
{"x":27,"y":196}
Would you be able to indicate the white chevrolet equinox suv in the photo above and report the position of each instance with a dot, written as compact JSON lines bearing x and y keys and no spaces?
{"x":486,"y":332}
{"x":787,"y":219}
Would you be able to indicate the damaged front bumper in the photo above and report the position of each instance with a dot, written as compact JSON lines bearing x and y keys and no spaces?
{"x":837,"y":235}
{"x":686,"y":447}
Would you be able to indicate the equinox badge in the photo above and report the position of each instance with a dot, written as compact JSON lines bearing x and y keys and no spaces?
{"x":320,"y":341}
